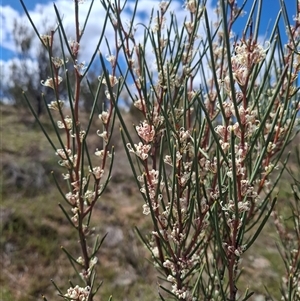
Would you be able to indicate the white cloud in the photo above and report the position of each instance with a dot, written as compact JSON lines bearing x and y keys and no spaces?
{"x":8,"y":15}
{"x":43,"y":16}
{"x":7,"y":66}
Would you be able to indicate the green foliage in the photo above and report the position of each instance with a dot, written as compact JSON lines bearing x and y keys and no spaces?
{"x":217,"y":114}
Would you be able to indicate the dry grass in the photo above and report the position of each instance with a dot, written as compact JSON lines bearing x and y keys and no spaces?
{"x":33,"y":228}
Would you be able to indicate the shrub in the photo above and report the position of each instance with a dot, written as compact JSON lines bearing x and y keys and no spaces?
{"x":217,"y":111}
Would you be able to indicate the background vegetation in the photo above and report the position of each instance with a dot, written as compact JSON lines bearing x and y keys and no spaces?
{"x":33,"y":227}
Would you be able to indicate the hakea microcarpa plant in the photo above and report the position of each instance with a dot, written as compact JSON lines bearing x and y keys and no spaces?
{"x":218,"y":112}
{"x":87,"y":175}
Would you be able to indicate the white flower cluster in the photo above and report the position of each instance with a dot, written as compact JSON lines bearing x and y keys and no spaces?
{"x":78,"y":293}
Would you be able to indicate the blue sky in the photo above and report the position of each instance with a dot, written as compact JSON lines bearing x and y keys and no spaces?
{"x":42,"y":13}
{"x":16,"y":3}
{"x":270,"y":10}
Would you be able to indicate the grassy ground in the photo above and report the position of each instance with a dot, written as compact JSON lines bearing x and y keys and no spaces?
{"x":33,"y":228}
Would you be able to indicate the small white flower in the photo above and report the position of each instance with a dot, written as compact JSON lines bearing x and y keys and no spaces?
{"x":98,"y":172}
{"x":140,"y":104}
{"x":93,"y":262}
{"x":111,"y":58}
{"x":74,"y":47}
{"x":78,"y":293}
{"x":47,"y":40}
{"x":103,"y":135}
{"x":63,"y":153}
{"x":104,"y":117}
{"x":191,"y":5}
{"x":141,"y":150}
{"x":80,"y":67}
{"x":146,"y":131}
{"x":53,"y":84}
{"x":113,"y":80}
{"x":80,"y":260}
{"x":99,"y":153}
{"x":57,"y":62}
{"x":66,"y":176}
{"x":56,"y":105}
{"x":146,"y":209}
